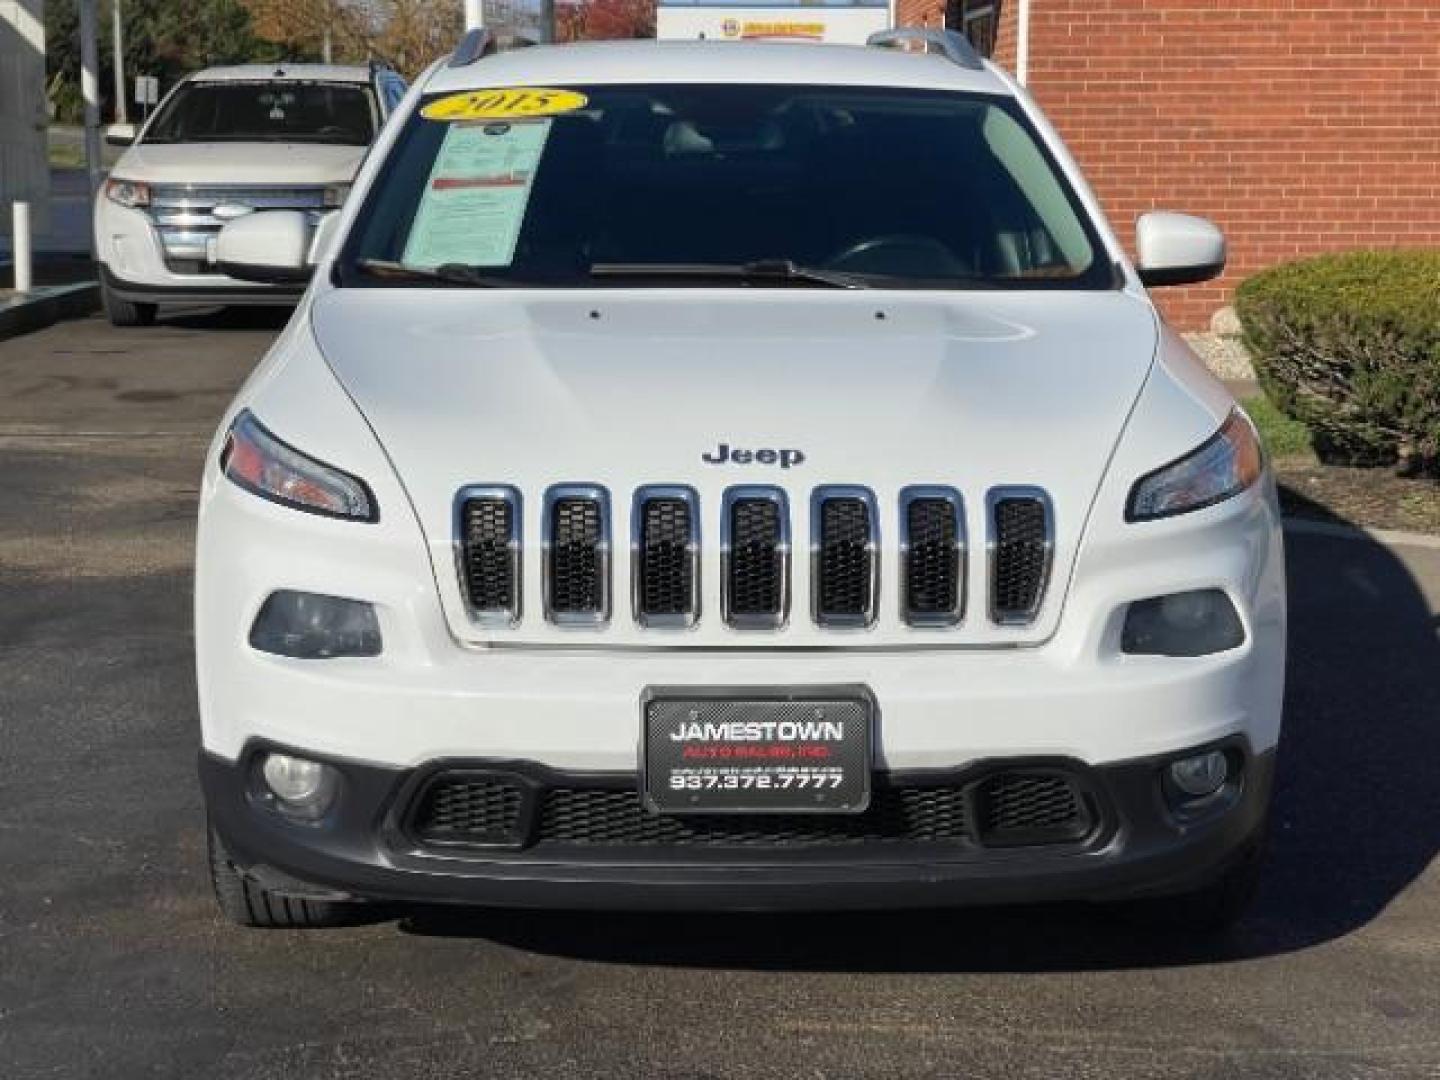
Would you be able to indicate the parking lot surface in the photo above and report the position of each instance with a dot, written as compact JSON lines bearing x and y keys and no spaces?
{"x":114,"y":962}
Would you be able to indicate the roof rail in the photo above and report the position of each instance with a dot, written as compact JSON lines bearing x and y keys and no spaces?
{"x":955,"y":46}
{"x":480,"y":43}
{"x":473,"y":46}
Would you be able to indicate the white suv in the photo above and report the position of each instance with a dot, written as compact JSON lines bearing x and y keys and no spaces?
{"x":227,"y":142}
{"x":733,"y":476}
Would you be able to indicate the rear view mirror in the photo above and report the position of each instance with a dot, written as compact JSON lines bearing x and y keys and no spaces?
{"x":120,"y":134}
{"x":1178,"y":249}
{"x":272,"y":246}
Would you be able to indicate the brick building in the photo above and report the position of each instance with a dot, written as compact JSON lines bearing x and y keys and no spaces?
{"x":1299,"y":126}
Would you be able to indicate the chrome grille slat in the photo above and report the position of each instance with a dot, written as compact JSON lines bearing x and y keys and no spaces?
{"x":755,"y":557}
{"x":489,"y":552}
{"x":844,"y":556}
{"x":577,"y":555}
{"x":665,"y":542}
{"x":1021,"y":547}
{"x":932,"y":556}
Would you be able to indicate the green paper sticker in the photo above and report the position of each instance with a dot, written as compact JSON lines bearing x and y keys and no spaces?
{"x":475,"y":198}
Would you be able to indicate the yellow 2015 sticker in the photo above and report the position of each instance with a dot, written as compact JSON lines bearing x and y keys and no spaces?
{"x":512,"y":103}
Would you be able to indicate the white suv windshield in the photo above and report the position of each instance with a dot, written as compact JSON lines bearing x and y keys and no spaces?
{"x":770,"y":185}
{"x":291,"y":111}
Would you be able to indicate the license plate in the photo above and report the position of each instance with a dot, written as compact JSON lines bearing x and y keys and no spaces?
{"x":728,"y":751}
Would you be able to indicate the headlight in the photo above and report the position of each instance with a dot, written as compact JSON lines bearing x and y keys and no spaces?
{"x":335,"y":195}
{"x":129,"y":193}
{"x":1223,"y":466}
{"x":262,"y":464}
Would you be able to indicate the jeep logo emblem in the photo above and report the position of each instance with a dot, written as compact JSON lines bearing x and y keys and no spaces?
{"x":725,"y":454}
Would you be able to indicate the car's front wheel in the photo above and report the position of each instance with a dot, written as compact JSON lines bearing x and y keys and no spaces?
{"x":248,"y":903}
{"x":125,"y":312}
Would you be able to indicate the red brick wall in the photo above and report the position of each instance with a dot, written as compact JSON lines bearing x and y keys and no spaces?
{"x":1299,"y":126}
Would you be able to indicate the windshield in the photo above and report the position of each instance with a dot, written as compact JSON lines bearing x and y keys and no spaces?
{"x":312,"y":112}
{"x":756,"y":185}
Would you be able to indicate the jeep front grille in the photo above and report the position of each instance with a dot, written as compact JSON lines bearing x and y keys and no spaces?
{"x":489,"y":552}
{"x":755,"y":551}
{"x":666,"y":556}
{"x":844,"y":556}
{"x":577,"y":555}
{"x":932,"y":556}
{"x":1022,"y":530}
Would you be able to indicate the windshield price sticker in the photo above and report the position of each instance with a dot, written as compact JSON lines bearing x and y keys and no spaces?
{"x":514,"y":103}
{"x":711,"y":756}
{"x":475,"y":199}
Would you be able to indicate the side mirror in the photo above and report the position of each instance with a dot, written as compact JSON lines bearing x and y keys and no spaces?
{"x":120,"y":134}
{"x":272,"y":246}
{"x":1178,"y":249}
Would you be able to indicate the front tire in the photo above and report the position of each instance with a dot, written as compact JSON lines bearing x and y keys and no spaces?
{"x":247,"y":903}
{"x":124,"y":312}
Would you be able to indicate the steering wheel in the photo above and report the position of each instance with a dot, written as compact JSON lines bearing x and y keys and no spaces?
{"x":902,"y":254}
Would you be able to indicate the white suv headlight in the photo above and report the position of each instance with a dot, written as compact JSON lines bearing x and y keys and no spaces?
{"x":263,"y":465}
{"x":131,"y":193}
{"x":1223,"y":466}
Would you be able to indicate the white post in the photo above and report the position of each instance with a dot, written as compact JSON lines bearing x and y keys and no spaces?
{"x":474,"y":14}
{"x":1022,"y":43}
{"x":21,"y":245}
{"x":120,"y":94}
{"x":90,"y":90}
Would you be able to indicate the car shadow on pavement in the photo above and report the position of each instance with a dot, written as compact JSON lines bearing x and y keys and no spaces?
{"x":227,"y":318}
{"x":1356,"y":821}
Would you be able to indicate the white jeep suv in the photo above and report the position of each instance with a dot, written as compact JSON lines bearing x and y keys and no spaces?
{"x":733,"y":477}
{"x":227,"y":142}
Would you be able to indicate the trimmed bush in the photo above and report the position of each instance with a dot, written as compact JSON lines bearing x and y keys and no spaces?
{"x":1350,"y":346}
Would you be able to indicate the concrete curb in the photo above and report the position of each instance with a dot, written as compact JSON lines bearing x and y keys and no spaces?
{"x":47,"y":305}
{"x":1387,"y":537}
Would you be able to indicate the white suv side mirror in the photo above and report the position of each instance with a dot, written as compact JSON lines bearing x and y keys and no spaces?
{"x":1178,"y":249}
{"x":272,"y":246}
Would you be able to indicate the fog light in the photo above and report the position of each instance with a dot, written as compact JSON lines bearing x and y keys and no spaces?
{"x":309,"y":626}
{"x":1182,"y":624}
{"x":1201,"y":775}
{"x":304,"y":788}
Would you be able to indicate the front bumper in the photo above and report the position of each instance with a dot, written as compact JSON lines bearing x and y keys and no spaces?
{"x":1134,"y":846}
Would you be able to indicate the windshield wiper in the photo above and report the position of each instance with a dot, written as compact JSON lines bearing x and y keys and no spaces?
{"x":760,"y":272}
{"x":448,"y":273}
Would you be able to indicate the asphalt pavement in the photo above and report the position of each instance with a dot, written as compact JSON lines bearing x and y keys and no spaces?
{"x":114,"y":962}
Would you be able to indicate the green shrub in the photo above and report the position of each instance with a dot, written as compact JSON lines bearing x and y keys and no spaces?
{"x":1350,"y":346}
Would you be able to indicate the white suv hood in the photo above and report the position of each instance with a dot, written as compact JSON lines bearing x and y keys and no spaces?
{"x":630,"y":388}
{"x":240,"y":163}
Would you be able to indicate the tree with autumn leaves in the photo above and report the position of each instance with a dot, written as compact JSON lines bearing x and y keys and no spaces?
{"x":604,"y":20}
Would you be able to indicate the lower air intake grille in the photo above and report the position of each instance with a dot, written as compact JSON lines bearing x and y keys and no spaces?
{"x":1020,"y":560}
{"x":844,"y":559}
{"x":666,"y":550}
{"x":933,"y":548}
{"x":459,"y":809}
{"x":1030,"y":807}
{"x":489,"y":551}
{"x":755,"y":575}
{"x":578,"y":563}
{"x":615,"y":817}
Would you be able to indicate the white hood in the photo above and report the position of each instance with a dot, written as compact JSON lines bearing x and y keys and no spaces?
{"x":240,"y":163}
{"x":630,"y":388}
